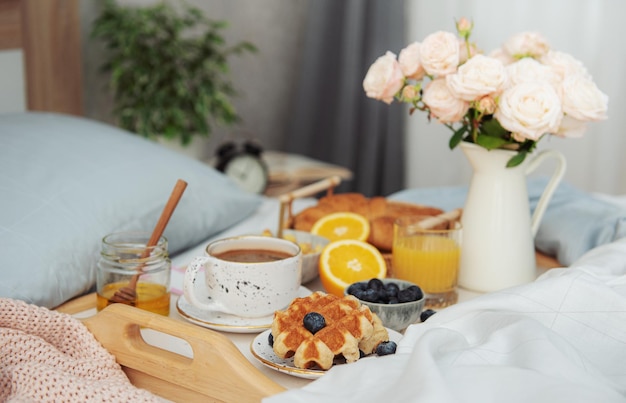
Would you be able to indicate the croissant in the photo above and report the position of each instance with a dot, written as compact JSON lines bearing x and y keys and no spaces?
{"x":380,"y":212}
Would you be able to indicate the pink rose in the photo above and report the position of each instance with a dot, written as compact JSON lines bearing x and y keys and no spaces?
{"x":442,"y":103}
{"x":486,"y":105}
{"x":529,"y":110}
{"x":384,"y":78}
{"x":439,"y":53}
{"x":410,"y":93}
{"x":526,"y":44}
{"x":479,"y":76}
{"x":582,"y":99}
{"x":409,"y":59}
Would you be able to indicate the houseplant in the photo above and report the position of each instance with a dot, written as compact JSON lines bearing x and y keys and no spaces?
{"x":168,"y":69}
{"x":498,"y":106}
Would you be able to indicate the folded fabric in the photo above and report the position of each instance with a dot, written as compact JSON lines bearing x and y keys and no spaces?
{"x":573,"y":223}
{"x":48,"y":356}
{"x":561,"y":338}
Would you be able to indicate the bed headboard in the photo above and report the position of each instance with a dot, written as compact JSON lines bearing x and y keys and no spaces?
{"x":48,"y":32}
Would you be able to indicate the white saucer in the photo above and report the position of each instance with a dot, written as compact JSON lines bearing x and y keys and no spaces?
{"x":262,"y":351}
{"x":225,"y":322}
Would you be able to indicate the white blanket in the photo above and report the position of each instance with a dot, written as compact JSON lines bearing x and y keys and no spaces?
{"x":561,"y":338}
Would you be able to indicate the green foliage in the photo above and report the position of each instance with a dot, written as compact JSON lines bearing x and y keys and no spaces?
{"x":168,"y":69}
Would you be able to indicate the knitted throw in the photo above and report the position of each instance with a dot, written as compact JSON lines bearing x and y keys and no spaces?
{"x":48,"y":356}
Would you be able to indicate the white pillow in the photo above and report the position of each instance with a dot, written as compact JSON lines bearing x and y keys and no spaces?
{"x":65,"y":182}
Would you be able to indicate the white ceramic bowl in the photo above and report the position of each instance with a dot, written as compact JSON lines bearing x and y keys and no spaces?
{"x":311,"y":246}
{"x":396,"y":316}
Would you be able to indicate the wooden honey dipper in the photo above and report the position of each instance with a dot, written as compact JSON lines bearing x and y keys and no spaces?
{"x":129,"y":293}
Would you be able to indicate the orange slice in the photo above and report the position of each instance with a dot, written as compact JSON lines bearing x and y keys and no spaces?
{"x":343,"y":225}
{"x":347,"y":261}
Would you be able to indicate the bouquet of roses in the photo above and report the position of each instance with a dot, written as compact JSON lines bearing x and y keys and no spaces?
{"x":509,"y":99}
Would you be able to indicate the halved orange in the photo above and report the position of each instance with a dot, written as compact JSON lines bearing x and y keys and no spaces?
{"x":347,"y":261}
{"x":342,"y":225}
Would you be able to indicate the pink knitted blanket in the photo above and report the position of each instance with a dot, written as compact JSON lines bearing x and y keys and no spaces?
{"x":49,"y":356}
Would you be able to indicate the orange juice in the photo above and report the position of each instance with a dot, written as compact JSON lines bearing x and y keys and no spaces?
{"x":430,"y":261}
{"x":150,"y":297}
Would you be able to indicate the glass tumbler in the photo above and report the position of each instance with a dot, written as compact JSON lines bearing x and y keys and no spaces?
{"x":429,"y":258}
{"x":126,"y":260}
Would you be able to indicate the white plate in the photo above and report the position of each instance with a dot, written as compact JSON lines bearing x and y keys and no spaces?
{"x":262,"y":351}
{"x":225,"y":322}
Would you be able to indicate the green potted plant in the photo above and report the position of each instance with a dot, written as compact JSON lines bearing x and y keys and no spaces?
{"x":168,"y":69}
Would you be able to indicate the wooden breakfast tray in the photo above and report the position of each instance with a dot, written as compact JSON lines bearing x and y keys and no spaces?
{"x":218,"y":371}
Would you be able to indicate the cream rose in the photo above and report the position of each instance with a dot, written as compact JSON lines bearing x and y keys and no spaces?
{"x":582,"y":99}
{"x":529,"y":110}
{"x":479,"y":76}
{"x":571,"y":127}
{"x":439,"y":53}
{"x":526,"y":44}
{"x":409,"y":60}
{"x":528,"y":70}
{"x":564,"y":64}
{"x":501,"y":55}
{"x":384,"y":78}
{"x":442,"y":103}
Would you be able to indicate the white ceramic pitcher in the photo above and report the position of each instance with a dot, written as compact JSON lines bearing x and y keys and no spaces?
{"x":498,"y":231}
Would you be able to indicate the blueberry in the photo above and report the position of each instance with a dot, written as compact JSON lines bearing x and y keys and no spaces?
{"x":391,"y":290}
{"x":356,"y":288}
{"x":270,"y":339}
{"x":370,"y":295}
{"x":314,"y":322}
{"x":386,"y":348}
{"x":426,"y":314}
{"x":375,"y":284}
{"x":405,"y":296}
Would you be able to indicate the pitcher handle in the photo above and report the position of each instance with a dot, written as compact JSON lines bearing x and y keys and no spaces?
{"x":550,"y":187}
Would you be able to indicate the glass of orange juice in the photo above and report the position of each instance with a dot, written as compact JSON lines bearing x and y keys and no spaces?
{"x":429,"y":258}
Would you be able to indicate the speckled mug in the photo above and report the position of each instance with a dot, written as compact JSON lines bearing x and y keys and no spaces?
{"x":250,"y":289}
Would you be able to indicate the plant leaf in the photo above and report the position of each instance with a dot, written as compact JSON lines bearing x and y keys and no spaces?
{"x":457,"y":137}
{"x":490,"y":142}
{"x":517,"y":159}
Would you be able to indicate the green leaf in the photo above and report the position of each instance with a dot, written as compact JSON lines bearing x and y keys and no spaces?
{"x":492,"y":128}
{"x":457,"y":137}
{"x":490,"y":142}
{"x":516,"y":160}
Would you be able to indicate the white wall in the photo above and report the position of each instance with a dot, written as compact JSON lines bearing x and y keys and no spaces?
{"x":590,"y":30}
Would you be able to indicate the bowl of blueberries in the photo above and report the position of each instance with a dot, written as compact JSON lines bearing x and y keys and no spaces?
{"x":397,"y":303}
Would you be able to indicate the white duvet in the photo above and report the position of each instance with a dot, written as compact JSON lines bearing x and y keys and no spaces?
{"x":561,"y":338}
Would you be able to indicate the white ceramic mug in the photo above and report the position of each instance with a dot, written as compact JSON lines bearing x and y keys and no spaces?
{"x":247,"y":289}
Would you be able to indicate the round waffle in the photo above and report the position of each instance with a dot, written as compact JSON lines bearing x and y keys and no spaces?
{"x":350,"y":327}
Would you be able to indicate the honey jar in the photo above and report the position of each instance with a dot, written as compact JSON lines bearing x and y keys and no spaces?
{"x":132,"y":273}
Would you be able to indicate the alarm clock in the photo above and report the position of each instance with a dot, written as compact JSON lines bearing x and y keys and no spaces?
{"x":244,"y":165}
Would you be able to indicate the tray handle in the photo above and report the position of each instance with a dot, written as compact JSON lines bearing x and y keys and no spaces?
{"x":217,"y":369}
{"x":285,"y":216}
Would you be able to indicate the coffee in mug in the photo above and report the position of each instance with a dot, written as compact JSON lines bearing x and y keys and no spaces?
{"x":252,"y":255}
{"x":247,"y":276}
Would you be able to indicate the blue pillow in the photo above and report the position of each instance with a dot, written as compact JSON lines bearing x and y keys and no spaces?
{"x":65,"y":182}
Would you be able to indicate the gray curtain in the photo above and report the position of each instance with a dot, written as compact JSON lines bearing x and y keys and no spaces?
{"x":332,"y":120}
